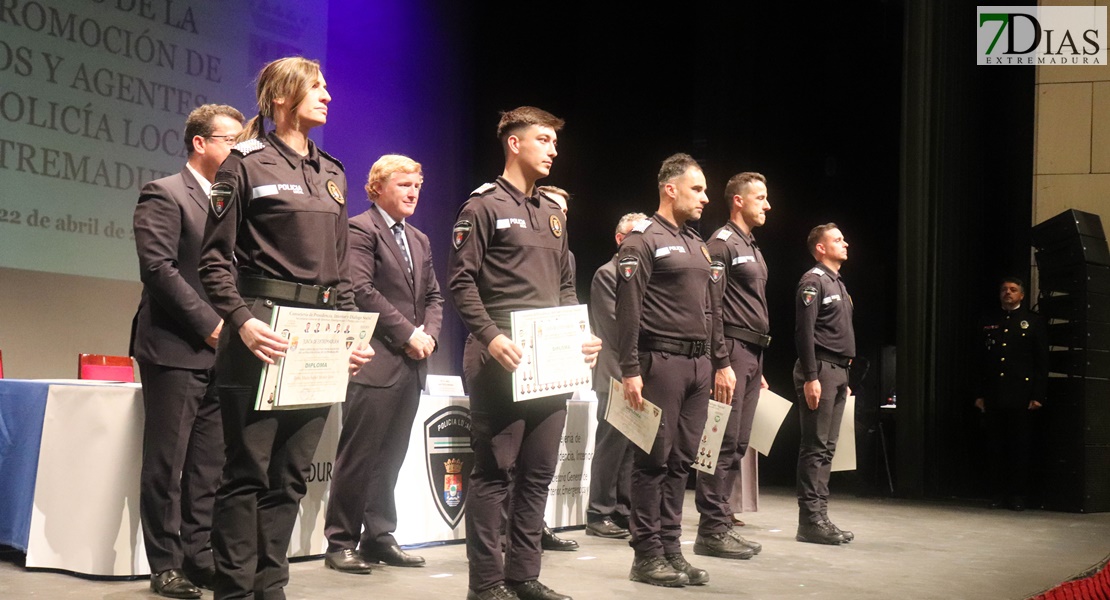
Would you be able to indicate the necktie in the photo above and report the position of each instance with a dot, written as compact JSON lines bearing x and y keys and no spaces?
{"x":399,"y":235}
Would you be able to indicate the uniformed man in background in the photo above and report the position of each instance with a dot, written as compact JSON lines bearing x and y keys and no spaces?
{"x":826,"y":344}
{"x":1012,"y":383}
{"x":738,"y":354}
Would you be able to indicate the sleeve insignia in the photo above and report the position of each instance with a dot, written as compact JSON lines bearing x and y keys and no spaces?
{"x":335,"y":193}
{"x":628,"y":267}
{"x":460,"y":233}
{"x":220,"y":198}
{"x":556,"y":226}
{"x":808,"y":294}
{"x":245,"y":147}
{"x":485,"y":187}
{"x":716,"y":270}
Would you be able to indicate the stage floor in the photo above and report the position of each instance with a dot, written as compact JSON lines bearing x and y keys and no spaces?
{"x":903,"y":549}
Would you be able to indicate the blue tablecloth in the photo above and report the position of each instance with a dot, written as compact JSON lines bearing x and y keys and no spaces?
{"x":22,"y":409}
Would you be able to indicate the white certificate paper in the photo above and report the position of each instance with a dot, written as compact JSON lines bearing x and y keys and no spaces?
{"x":845,"y":457}
{"x":712,"y":435}
{"x":552,"y":341}
{"x":770,"y":412}
{"x":314,"y":371}
{"x":639,"y":426}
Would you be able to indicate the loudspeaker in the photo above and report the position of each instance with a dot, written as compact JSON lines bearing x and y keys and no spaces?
{"x":1076,"y":278}
{"x":1082,"y":363}
{"x":1078,"y":483}
{"x":1066,"y":226}
{"x":1078,"y":250}
{"x":1080,"y":334}
{"x":1075,"y":307}
{"x":1077,"y":413}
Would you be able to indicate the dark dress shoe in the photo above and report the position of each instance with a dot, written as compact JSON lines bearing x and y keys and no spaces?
{"x":821,"y":532}
{"x":172,"y":583}
{"x":550,"y":541}
{"x":695,"y":575}
{"x":202,"y":578}
{"x":756,"y":547}
{"x":606,"y":528}
{"x":346,"y":561}
{"x":534,"y":590}
{"x":621,"y":521}
{"x":655,"y":570}
{"x":393,"y":556}
{"x":722,"y":545}
{"x":497,"y":592}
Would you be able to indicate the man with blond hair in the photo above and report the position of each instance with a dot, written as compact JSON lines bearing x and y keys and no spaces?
{"x":392,"y":275}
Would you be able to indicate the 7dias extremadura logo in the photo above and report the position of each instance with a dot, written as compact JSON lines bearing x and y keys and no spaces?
{"x":1045,"y":35}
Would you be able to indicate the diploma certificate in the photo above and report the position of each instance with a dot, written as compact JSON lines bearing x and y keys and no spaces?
{"x":314,"y":371}
{"x":552,"y":341}
{"x":712,"y":435}
{"x":639,"y":426}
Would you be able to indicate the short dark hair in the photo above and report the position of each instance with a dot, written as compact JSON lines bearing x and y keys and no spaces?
{"x":1012,"y":279}
{"x":512,"y":121}
{"x":675,"y":165}
{"x":200,"y":120}
{"x":817,"y":234}
{"x":739,"y":183}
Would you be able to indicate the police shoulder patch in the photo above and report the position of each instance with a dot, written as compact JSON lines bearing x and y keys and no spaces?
{"x":482,"y":189}
{"x":716,"y":270}
{"x":460,"y":233}
{"x":808,"y":294}
{"x":628,"y":266}
{"x":220,"y":198}
{"x":245,"y":147}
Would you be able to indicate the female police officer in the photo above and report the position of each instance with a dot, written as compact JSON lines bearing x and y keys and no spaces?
{"x":277,"y":218}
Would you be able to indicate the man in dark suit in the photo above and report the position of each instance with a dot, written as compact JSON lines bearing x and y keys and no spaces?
{"x":174,"y":337}
{"x":1013,"y":378}
{"x":392,"y":275}
{"x":611,"y":469}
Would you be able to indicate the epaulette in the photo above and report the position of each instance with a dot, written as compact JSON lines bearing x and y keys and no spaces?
{"x":641,"y":226}
{"x":818,"y":271}
{"x":482,"y":189}
{"x":245,"y":147}
{"x":331,"y":158}
{"x":724,"y":234}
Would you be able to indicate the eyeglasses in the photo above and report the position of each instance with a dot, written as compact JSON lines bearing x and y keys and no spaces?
{"x":227,"y":139}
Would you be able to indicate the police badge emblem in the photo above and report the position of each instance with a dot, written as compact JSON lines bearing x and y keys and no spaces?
{"x":460,"y":233}
{"x":219,"y":198}
{"x":556,"y":226}
{"x":628,"y":266}
{"x":705,"y":253}
{"x":449,"y":461}
{"x":1024,"y":324}
{"x":716,"y":270}
{"x":333,"y":191}
{"x":808,"y":294}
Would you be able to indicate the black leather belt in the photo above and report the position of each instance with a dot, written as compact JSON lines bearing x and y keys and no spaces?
{"x":746,"y":335}
{"x":836,"y":359}
{"x":276,"y":289}
{"x":691,"y":348}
